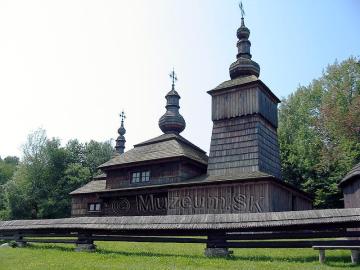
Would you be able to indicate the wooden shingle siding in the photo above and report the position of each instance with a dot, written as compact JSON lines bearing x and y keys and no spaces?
{"x":244,"y":144}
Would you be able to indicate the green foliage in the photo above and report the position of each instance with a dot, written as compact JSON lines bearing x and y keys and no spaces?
{"x":319,"y":132}
{"x":8,"y":167}
{"x":48,"y":173}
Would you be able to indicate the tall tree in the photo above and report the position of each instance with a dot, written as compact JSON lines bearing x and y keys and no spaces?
{"x":319,"y":132}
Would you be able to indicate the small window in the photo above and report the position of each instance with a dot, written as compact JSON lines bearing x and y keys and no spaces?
{"x":145,"y":176}
{"x":140,"y":177}
{"x":135,"y":177}
{"x":94,"y":207}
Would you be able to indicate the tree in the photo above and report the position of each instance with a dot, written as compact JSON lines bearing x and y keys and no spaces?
{"x":97,"y":153}
{"x":8,"y":167}
{"x":319,"y":132}
{"x":49,"y":172}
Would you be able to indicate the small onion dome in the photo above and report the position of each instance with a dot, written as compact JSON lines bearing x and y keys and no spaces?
{"x":172,"y":121}
{"x":243,"y":66}
{"x":243,"y":32}
{"x":122,"y":130}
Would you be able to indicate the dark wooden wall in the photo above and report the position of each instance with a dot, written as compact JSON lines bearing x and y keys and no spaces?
{"x":151,"y":204}
{"x":247,"y":197}
{"x":286,"y":199}
{"x":351,"y":190}
{"x":221,"y":198}
{"x":168,"y":172}
{"x":79,"y":204}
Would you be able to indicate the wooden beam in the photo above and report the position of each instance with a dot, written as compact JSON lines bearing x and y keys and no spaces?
{"x":62,"y":241}
{"x":147,"y":239}
{"x":289,"y":244}
{"x":291,"y":235}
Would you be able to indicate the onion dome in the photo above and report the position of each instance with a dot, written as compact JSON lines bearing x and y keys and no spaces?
{"x":120,"y":141}
{"x":243,"y":66}
{"x":172,"y":121}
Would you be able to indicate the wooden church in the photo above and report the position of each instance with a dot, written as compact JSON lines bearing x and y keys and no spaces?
{"x":169,"y":175}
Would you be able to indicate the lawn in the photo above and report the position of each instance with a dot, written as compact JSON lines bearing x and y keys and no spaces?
{"x":117,"y":255}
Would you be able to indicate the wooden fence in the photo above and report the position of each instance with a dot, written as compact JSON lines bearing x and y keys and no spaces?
{"x":303,"y":229}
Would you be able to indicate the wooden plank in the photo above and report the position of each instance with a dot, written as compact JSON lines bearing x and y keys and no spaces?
{"x":147,"y":239}
{"x":50,"y":235}
{"x":336,"y":247}
{"x":291,"y":235}
{"x":62,"y":241}
{"x":287,"y":244}
{"x":7,"y":238}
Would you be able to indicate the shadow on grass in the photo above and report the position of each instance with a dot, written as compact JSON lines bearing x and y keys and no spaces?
{"x":331,"y":261}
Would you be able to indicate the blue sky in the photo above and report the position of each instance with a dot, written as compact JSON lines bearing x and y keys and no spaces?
{"x":70,"y":67}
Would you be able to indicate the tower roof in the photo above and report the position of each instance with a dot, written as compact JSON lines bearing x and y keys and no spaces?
{"x":243,"y":66}
{"x":172,"y":121}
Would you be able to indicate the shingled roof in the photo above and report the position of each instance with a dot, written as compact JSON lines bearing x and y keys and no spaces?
{"x":243,"y":81}
{"x":91,"y":187}
{"x":161,"y":147}
{"x":355,"y":171}
{"x":98,"y":186}
{"x":242,"y":221}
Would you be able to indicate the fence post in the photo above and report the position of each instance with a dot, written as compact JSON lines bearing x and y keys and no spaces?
{"x":19,"y":241}
{"x":355,"y":256}
{"x":85,"y":243}
{"x":215,"y":245}
{"x":321,"y":255}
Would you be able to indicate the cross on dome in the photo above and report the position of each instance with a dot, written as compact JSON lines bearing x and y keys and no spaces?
{"x":122,"y":116}
{"x":173,"y":78}
{"x":241,"y":9}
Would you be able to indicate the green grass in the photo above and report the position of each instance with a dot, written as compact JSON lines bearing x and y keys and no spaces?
{"x":117,"y":255}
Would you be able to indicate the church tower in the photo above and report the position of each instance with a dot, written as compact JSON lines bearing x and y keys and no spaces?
{"x":244,"y":114}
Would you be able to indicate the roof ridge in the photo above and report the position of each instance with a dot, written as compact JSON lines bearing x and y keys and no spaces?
{"x":168,"y":138}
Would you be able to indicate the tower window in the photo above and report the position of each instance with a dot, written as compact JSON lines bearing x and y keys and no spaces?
{"x":140,"y":177}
